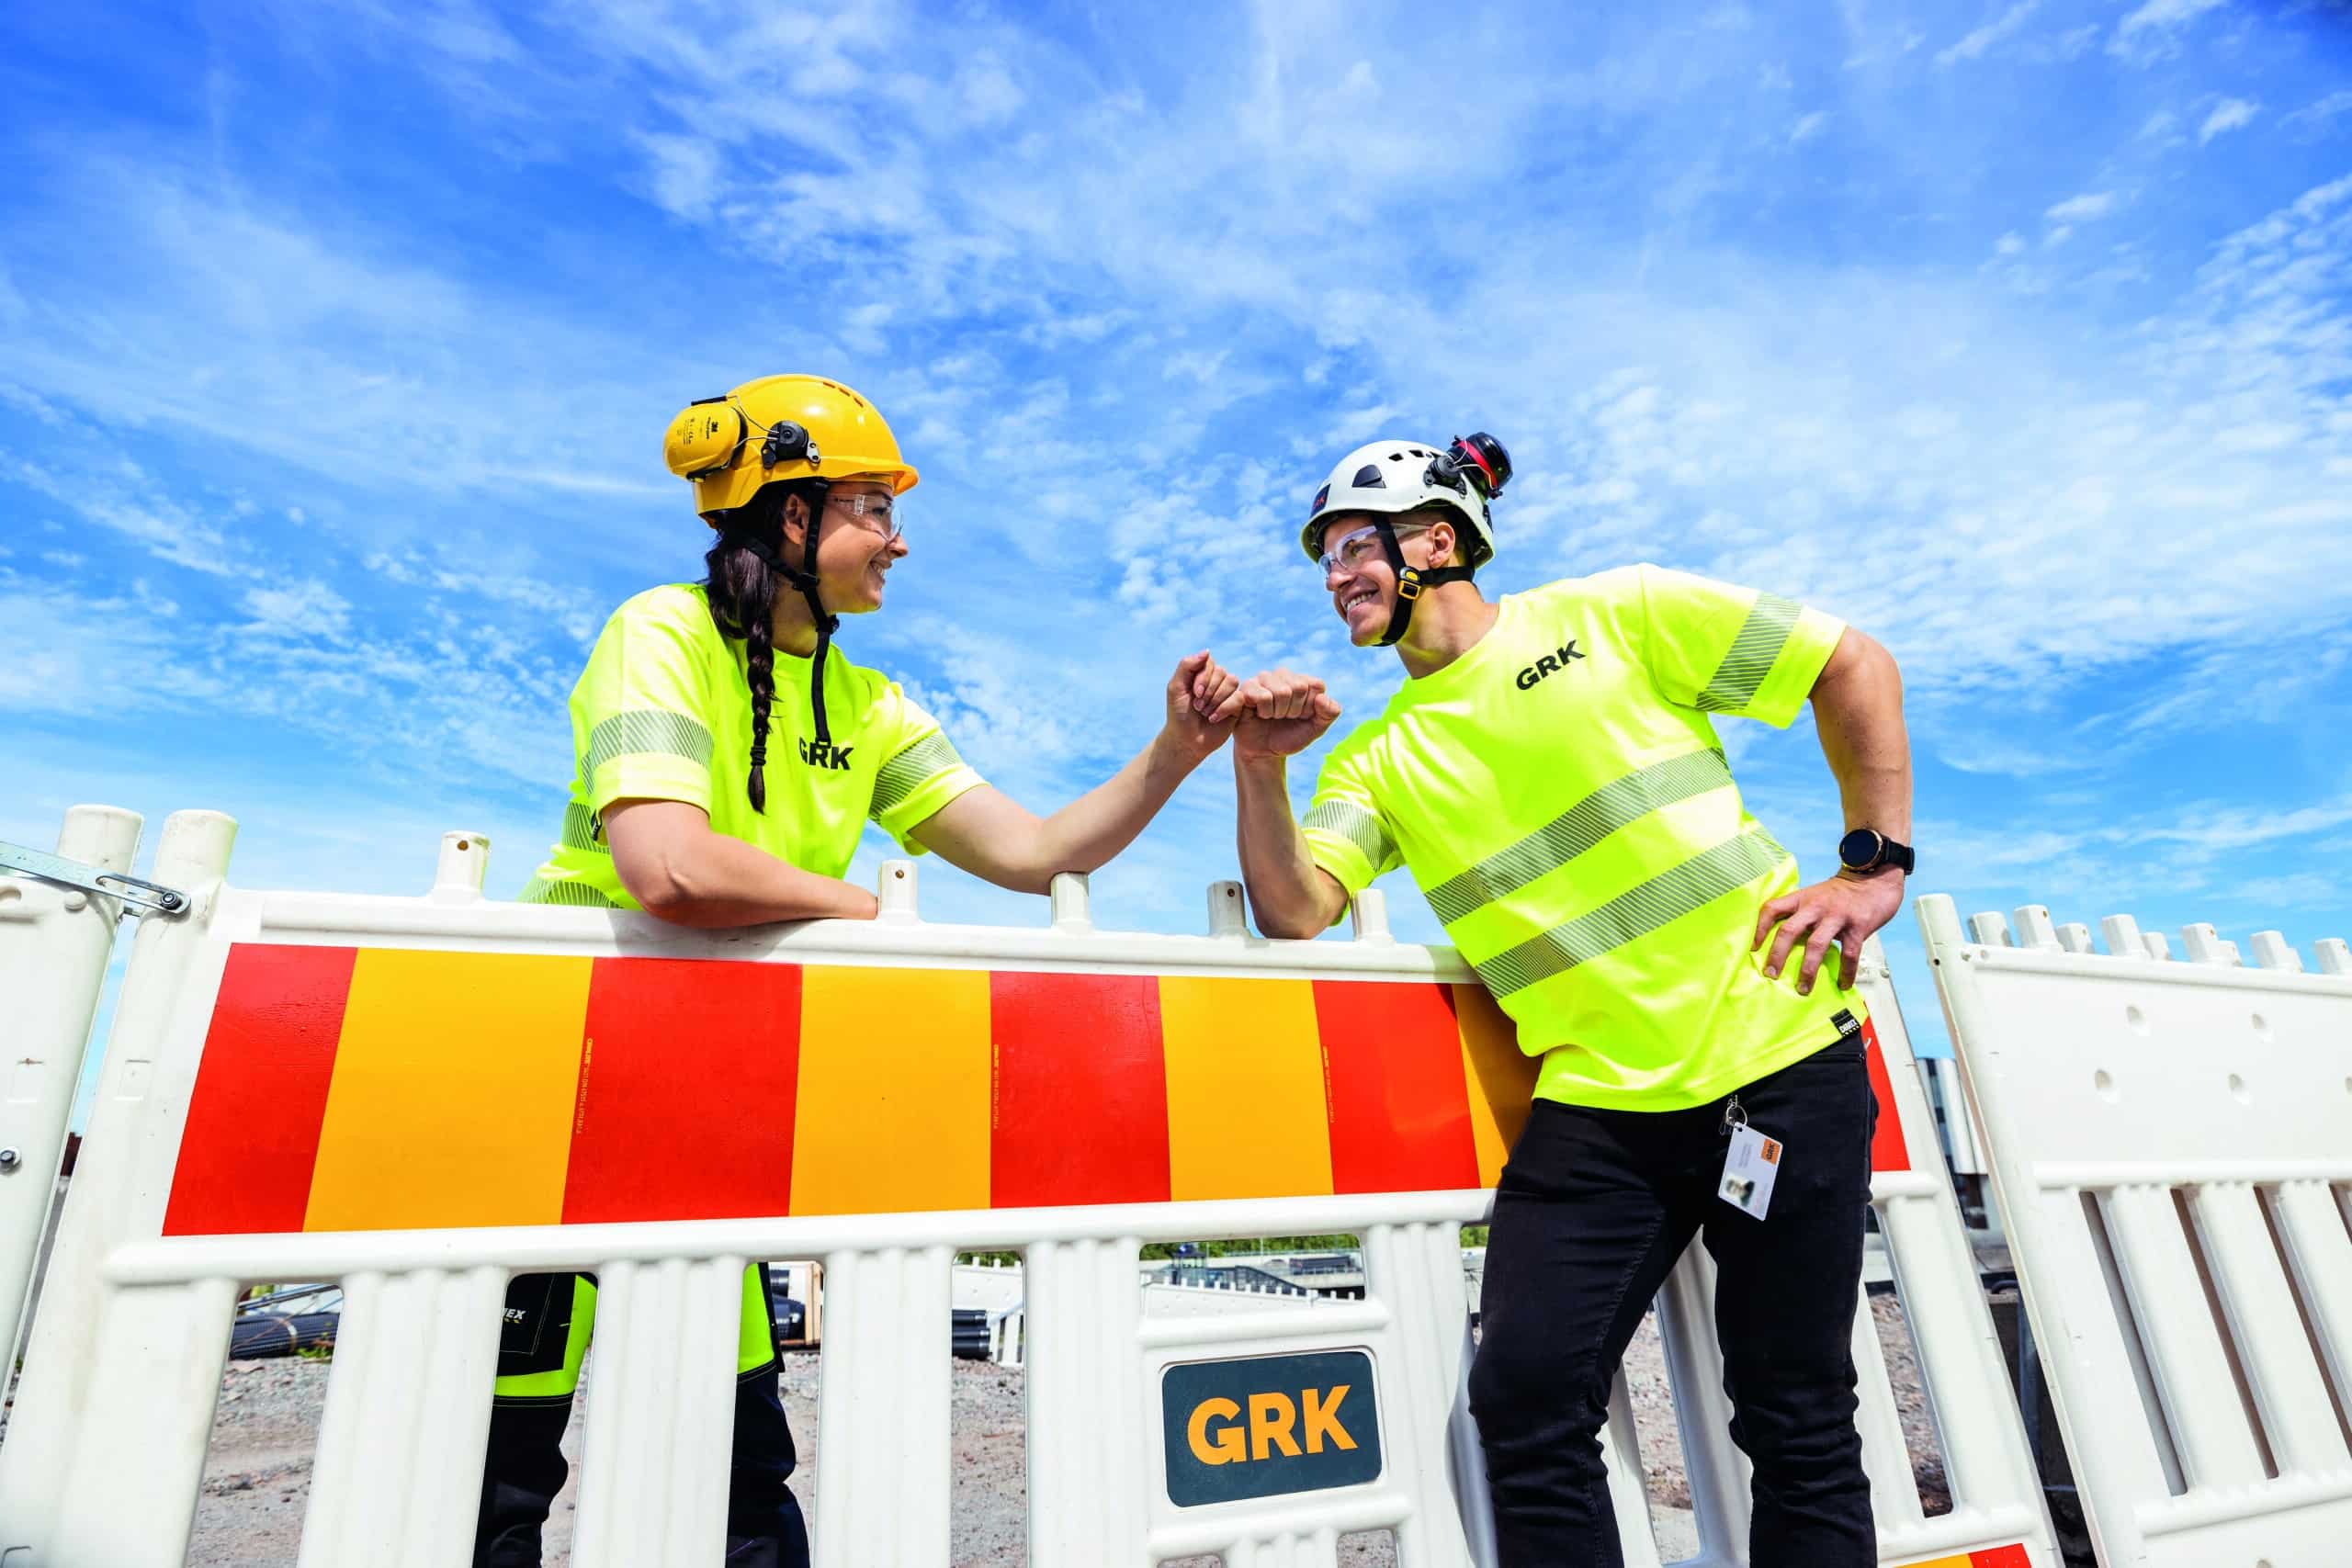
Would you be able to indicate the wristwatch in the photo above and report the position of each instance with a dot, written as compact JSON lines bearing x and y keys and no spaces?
{"x":1867,"y":849}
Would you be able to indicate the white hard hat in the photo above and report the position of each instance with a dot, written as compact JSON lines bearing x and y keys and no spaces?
{"x":1392,"y":477}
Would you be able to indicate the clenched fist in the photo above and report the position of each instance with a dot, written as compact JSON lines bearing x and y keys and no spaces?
{"x":1282,"y":713}
{"x":1202,"y":696}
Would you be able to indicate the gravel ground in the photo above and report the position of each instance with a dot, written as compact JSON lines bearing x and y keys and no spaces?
{"x":257,"y":1474}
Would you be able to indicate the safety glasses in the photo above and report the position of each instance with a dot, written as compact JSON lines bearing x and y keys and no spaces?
{"x":1355,"y":549}
{"x":878,"y":514}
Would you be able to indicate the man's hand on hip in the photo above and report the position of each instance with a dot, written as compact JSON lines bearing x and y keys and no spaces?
{"x":1846,"y":910}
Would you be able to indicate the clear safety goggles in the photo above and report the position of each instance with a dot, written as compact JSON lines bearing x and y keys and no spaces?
{"x":878,"y":513}
{"x":1357,"y":549}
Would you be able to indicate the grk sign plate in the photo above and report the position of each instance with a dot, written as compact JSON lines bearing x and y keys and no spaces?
{"x":1262,"y":1426}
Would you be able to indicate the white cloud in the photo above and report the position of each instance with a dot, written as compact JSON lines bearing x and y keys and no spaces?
{"x":1807,"y":128}
{"x":304,"y":607}
{"x":2314,"y":118}
{"x":2230,"y":114}
{"x":685,"y":171}
{"x":2083,"y":208}
{"x":2153,"y":30}
{"x":2009,"y":244}
{"x":2003,"y":26}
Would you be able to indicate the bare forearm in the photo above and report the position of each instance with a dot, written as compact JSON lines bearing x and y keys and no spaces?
{"x":991,"y":836}
{"x":714,"y":881}
{"x":1291,"y":895}
{"x":1857,"y":709}
{"x":1091,"y":829}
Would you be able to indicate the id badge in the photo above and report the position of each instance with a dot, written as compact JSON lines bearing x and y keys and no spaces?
{"x":1750,"y":1170}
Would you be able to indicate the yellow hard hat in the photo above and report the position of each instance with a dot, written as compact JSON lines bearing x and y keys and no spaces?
{"x":780,"y":427}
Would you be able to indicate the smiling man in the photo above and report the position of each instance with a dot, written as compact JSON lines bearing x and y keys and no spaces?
{"x":1550,"y":775}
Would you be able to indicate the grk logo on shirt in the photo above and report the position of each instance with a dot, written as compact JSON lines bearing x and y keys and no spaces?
{"x":1550,"y":665}
{"x":824,"y":753}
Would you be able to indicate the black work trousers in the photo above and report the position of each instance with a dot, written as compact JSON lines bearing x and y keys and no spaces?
{"x":525,"y":1468}
{"x":1591,"y":1213}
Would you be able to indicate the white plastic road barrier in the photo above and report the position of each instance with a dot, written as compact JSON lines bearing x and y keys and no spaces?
{"x":54,"y":943}
{"x":418,"y":1096}
{"x":2171,"y":1146}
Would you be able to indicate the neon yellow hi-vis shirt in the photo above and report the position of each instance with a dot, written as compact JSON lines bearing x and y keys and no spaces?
{"x":664,"y":712}
{"x":1560,"y":795}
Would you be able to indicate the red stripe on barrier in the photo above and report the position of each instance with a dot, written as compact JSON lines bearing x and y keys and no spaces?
{"x":1393,"y":1084}
{"x":1079,"y":1091}
{"x":2000,"y":1557}
{"x":252,"y":1134}
{"x":687,"y":1079}
{"x":1888,"y":1151}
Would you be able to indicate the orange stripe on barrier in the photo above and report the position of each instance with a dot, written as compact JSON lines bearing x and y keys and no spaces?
{"x":1501,"y":1077}
{"x":1245,"y":1114}
{"x":893,"y":1112}
{"x":452,"y":1098}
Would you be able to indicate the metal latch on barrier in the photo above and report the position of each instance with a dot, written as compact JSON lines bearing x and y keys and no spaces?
{"x":137,"y":896}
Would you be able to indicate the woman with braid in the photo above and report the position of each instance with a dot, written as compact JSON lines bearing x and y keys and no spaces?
{"x":727,"y":760}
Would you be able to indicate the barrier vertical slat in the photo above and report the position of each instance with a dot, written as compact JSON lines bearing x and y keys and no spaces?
{"x":1417,"y":1269}
{"x":1894,"y":1496}
{"x":54,"y":943}
{"x":2192,"y":1370}
{"x":2319,"y":1248}
{"x":1621,"y":1453}
{"x":1086,"y":1502}
{"x":118,"y":1191}
{"x":1718,"y":1475}
{"x":660,"y":1408}
{"x":409,"y":1396}
{"x":1467,"y":1461}
{"x":883,"y":1409}
{"x":136,"y":1463}
{"x":1315,"y":1548}
{"x":2267,"y":1328}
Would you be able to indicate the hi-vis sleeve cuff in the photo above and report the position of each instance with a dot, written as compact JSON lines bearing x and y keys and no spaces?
{"x":1350,"y":841}
{"x":1771,"y":667}
{"x":647,"y":753}
{"x":917,"y":784}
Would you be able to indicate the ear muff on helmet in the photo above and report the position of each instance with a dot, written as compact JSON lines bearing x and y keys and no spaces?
{"x":703,"y":438}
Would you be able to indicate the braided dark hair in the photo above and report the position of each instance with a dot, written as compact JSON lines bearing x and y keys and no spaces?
{"x":742,"y":590}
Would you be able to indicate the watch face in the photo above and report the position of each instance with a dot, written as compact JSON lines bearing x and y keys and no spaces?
{"x":1859,"y":849}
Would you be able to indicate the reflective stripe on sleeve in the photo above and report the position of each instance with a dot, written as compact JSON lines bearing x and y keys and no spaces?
{"x":643,"y":731}
{"x":1634,"y":913}
{"x":1576,"y":829}
{"x":1762,"y":638}
{"x":580,"y":830}
{"x":909,"y":770}
{"x":539,"y":890}
{"x":1361,"y":828}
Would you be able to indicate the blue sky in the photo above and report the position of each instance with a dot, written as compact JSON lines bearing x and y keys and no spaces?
{"x":336,"y":340}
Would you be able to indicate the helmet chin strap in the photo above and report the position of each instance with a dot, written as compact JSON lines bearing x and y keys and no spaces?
{"x":1411,"y":583}
{"x":804,"y":577}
